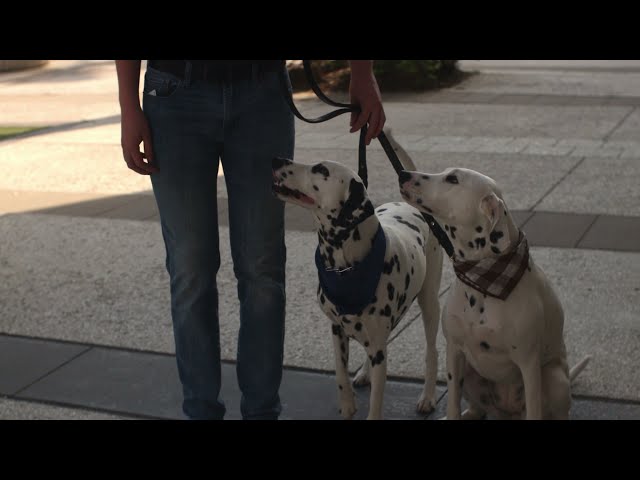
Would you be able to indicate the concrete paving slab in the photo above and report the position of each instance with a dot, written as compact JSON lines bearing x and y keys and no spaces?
{"x":613,"y":233}
{"x":74,"y":168}
{"x":552,"y":80}
{"x":546,"y":229}
{"x":629,"y":129}
{"x":26,"y":410}
{"x":597,"y":186}
{"x":115,"y":380}
{"x":593,"y":122}
{"x":23,"y":361}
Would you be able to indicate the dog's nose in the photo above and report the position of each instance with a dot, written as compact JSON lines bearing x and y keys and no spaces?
{"x":279,"y":162}
{"x":404,"y":177}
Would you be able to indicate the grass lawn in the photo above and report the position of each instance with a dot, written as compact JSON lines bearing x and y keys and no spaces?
{"x":7,"y":132}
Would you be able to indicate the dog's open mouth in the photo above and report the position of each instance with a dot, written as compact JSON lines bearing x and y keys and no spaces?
{"x":286,"y":192}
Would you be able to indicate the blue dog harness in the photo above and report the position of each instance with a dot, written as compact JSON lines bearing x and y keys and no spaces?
{"x":353,"y":288}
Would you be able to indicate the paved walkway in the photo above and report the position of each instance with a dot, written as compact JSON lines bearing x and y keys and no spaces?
{"x":92,"y":335}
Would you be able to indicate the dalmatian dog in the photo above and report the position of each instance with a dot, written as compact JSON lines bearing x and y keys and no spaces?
{"x":502,"y":321}
{"x":408,"y":263}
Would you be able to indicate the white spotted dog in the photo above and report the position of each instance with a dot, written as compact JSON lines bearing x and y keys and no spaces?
{"x":371,"y":265}
{"x":503,"y":322}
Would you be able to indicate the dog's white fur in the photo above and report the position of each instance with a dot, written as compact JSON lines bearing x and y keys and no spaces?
{"x":496,"y":350}
{"x":338,"y":200}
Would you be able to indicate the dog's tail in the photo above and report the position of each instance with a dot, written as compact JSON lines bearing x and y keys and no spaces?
{"x":575,"y":371}
{"x":404,"y":157}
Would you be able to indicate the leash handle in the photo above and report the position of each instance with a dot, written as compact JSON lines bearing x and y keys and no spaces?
{"x":436,"y":229}
{"x":343,"y":108}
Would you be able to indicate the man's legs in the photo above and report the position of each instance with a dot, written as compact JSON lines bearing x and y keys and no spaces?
{"x":186,"y":125}
{"x":258,"y":127}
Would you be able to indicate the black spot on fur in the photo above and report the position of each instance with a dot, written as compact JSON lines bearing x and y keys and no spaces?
{"x":417,"y":184}
{"x":372,"y":310}
{"x":381,"y":210}
{"x":390,"y":290}
{"x":419,"y":201}
{"x":404,"y":222}
{"x":407,"y":279}
{"x":449,"y":376}
{"x":319,"y":168}
{"x":481,"y":309}
{"x":358,"y":326}
{"x":335,"y":329}
{"x":481,"y":322}
{"x":388,"y":266}
{"x":461,"y":382}
{"x":495,"y":236}
{"x":479,"y":229}
{"x":484,"y":345}
{"x":419,"y":217}
{"x":412,"y":271}
{"x":316,"y":188}
{"x":356,"y":234}
{"x":339,"y":387}
{"x":472,"y":301}
{"x":425,"y":177}
{"x":446,"y":227}
{"x":513,"y":346}
{"x":366,"y":344}
{"x":453,"y":232}
{"x":495,"y":250}
{"x":419,"y":241}
{"x":322,"y":298}
{"x":378,"y":359}
{"x":480,"y":242}
{"x":461,"y":253}
{"x":387,"y":311}
{"x":470,"y":244}
{"x":345,"y":320}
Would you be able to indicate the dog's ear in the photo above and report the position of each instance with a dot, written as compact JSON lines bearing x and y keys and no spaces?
{"x":493,"y":208}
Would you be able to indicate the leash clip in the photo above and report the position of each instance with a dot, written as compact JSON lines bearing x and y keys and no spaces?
{"x":338,"y":270}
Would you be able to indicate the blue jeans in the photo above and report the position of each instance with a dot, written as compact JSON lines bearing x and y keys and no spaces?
{"x":244,"y":123}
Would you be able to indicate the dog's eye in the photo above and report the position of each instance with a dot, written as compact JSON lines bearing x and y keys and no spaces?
{"x":451,"y":179}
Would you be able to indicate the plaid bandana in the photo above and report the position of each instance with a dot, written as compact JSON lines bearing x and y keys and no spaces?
{"x":496,"y":277}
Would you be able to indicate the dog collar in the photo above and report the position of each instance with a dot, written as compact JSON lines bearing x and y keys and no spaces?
{"x":353,"y":288}
{"x":496,"y":277}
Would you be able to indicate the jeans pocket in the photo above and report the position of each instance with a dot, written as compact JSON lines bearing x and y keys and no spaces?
{"x":160,"y":84}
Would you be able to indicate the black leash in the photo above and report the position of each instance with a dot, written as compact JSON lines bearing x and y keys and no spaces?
{"x":440,"y":235}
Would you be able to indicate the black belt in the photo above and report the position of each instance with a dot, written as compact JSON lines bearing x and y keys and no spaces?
{"x":216,"y":70}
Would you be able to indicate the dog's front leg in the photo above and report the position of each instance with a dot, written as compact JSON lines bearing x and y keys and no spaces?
{"x":378,"y":380}
{"x":532,"y":378}
{"x":346,"y":398}
{"x":455,"y":377}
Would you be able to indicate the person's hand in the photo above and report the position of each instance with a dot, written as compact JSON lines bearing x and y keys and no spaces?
{"x":135,"y":130}
{"x":364,"y":91}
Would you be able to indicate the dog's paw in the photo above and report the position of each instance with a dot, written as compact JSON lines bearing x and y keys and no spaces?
{"x":362,"y":378}
{"x":425,"y":404}
{"x":348,"y":410}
